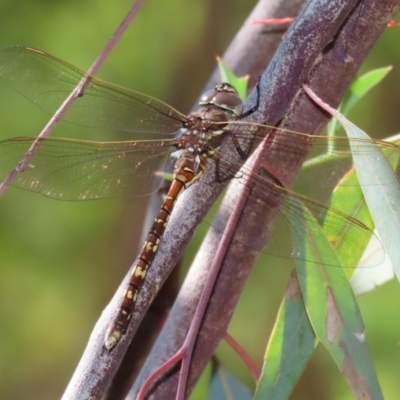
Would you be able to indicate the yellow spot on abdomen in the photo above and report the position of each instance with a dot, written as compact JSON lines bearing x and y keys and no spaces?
{"x":139,"y":272}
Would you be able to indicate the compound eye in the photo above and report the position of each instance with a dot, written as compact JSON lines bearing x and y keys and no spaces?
{"x":208,"y":98}
{"x":229,"y":101}
{"x":225,"y":97}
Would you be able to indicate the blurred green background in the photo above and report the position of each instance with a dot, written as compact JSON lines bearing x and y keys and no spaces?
{"x":61,"y":262}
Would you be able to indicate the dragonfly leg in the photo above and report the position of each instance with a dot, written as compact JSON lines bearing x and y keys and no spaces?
{"x":257,"y":105}
{"x":240,"y":151}
{"x":244,"y":155}
{"x":218,"y":177}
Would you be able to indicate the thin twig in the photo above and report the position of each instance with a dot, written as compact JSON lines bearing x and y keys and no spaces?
{"x":177,"y":357}
{"x":251,"y":365}
{"x":75,"y":94}
{"x":253,"y":165}
{"x":274,"y":21}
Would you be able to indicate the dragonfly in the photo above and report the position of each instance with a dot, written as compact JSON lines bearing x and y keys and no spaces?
{"x":78,"y":170}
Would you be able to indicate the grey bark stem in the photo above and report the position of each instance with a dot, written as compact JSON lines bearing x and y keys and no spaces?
{"x":249,"y":53}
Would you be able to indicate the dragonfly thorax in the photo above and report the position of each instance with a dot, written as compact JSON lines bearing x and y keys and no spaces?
{"x":204,"y":130}
{"x":205,"y":127}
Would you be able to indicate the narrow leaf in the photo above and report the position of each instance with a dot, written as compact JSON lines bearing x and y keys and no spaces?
{"x":361,"y":86}
{"x":290,"y":347}
{"x":224,"y":386}
{"x":349,"y":198}
{"x":332,"y":308}
{"x":383,"y":199}
{"x":357,"y":90}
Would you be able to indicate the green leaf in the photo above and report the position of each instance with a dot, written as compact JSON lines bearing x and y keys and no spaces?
{"x":379,"y":183}
{"x":240,"y":84}
{"x":224,"y":386}
{"x":290,"y":347}
{"x":331,"y":306}
{"x":348,"y":197}
{"x":357,"y":90}
{"x":380,"y":189}
{"x":361,"y":86}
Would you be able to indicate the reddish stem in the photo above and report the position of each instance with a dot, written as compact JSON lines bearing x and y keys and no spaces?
{"x":155,"y":374}
{"x":392,"y":23}
{"x":317,"y":100}
{"x":273,"y":21}
{"x":251,"y":365}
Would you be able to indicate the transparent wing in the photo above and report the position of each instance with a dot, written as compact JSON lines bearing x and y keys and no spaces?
{"x":81,"y":170}
{"x":47,"y":81}
{"x":285,"y":147}
{"x":267,"y":191}
{"x":331,"y":155}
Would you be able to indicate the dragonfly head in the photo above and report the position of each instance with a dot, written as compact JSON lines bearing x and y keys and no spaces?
{"x":224,"y":97}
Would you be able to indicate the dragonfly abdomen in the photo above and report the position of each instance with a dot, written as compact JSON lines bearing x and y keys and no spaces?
{"x":184,"y":175}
